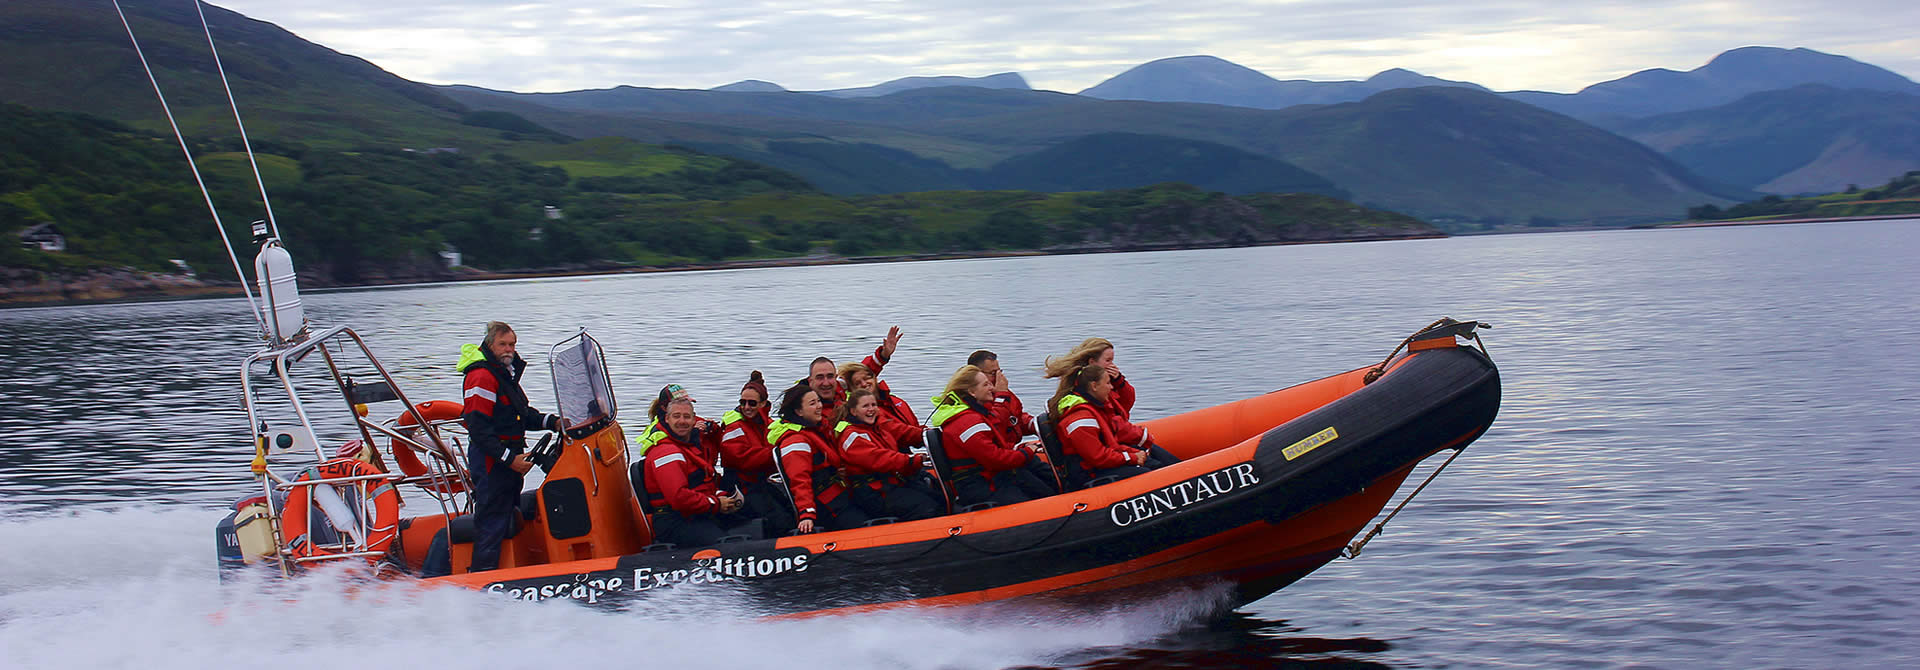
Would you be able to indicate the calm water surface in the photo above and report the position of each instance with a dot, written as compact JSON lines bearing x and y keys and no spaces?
{"x":1706,"y":455}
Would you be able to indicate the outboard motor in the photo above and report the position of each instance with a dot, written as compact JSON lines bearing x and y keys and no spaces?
{"x":245,"y":536}
{"x":226,"y":546}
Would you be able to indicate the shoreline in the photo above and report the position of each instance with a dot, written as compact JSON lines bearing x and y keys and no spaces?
{"x":224,"y":290}
{"x":1768,"y":222}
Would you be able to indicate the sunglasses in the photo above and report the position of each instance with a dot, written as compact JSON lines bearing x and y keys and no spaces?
{"x":749,"y":403}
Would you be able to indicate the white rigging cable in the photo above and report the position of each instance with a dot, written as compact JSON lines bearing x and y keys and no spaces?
{"x":258,"y":318}
{"x":244,"y":142}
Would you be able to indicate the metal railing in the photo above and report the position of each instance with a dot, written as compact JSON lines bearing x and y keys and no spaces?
{"x":445,"y":463}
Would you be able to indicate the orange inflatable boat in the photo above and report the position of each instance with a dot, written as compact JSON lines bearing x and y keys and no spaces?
{"x":1269,"y":489}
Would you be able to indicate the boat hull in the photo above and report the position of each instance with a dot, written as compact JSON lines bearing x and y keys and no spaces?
{"x":1316,"y":463}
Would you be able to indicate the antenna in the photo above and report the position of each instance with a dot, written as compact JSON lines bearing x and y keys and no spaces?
{"x":195,"y":168}
{"x":244,"y":142}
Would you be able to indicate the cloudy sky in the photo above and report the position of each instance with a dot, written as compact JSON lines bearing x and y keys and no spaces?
{"x":525,"y":45}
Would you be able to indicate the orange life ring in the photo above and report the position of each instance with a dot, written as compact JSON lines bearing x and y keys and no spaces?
{"x":377,"y":492}
{"x":437,"y":410}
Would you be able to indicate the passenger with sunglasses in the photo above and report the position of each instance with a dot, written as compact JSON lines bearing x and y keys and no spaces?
{"x":746,"y":454}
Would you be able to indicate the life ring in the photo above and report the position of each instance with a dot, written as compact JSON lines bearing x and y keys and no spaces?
{"x":437,"y":410}
{"x":379,"y":493}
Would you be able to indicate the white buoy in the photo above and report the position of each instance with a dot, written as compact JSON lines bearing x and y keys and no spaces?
{"x":279,"y":288}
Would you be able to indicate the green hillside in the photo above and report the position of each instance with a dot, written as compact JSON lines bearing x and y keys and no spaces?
{"x":1901,"y":195}
{"x":121,"y":197}
{"x":1121,"y":160}
{"x":1809,"y":139}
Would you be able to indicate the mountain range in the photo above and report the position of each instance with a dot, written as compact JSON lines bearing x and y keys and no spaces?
{"x":1214,"y":81}
{"x":1450,"y":151}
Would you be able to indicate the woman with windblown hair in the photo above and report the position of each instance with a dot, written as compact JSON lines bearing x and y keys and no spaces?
{"x":1090,"y":432}
{"x":1095,"y":351}
{"x":985,"y":467}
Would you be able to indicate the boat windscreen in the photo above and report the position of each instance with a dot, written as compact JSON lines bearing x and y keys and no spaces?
{"x":580,"y":381}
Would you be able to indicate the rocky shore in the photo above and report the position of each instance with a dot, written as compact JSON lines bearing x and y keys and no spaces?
{"x":24,"y":287}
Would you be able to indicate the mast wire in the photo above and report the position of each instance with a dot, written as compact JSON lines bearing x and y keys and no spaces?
{"x":198,"y":6}
{"x":258,"y":318}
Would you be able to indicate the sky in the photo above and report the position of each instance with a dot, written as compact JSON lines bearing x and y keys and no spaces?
{"x":527,"y":46}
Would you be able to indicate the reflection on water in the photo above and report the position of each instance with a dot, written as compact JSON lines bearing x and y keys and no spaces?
{"x":1705,"y":454}
{"x":1239,"y":640}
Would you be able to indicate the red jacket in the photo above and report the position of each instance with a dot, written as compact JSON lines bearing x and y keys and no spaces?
{"x":866,"y":451}
{"x":743,"y":446}
{"x":1010,"y":418}
{"x":873,"y":362}
{"x":811,"y":464}
{"x":681,"y":475}
{"x":897,"y":419}
{"x":1121,"y":400}
{"x":1086,"y":430}
{"x":495,"y":409}
{"x":971,"y":441}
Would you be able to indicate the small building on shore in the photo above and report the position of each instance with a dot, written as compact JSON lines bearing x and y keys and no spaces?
{"x":45,"y":237}
{"x":450,"y":255}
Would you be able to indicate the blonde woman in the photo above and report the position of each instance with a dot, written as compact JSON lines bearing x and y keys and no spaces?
{"x":1096,"y":351}
{"x":986,"y":468}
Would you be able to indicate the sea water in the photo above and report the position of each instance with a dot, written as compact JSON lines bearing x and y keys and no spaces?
{"x":1705,"y":457}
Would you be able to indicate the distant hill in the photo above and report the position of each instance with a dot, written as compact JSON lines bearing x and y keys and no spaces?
{"x":726,"y":107}
{"x":1446,"y":152}
{"x":1211,"y":80}
{"x":1807,"y":139}
{"x":751,"y":86}
{"x":1123,"y":160}
{"x":64,"y":55}
{"x":1007,"y":80}
{"x":1499,"y":162}
{"x":1443,"y":153}
{"x":1459,"y":153}
{"x":1728,"y":77}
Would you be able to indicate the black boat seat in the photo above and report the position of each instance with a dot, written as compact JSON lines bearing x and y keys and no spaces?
{"x":942,"y":468}
{"x":1056,"y":452}
{"x":637,"y":473}
{"x":460,"y":530}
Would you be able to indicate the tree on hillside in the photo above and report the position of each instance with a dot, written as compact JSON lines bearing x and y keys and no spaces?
{"x":1012,"y":229}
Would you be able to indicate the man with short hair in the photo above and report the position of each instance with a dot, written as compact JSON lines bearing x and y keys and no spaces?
{"x":1007,"y":417}
{"x":1010,"y":418}
{"x":497,"y":418}
{"x":823,"y":376}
